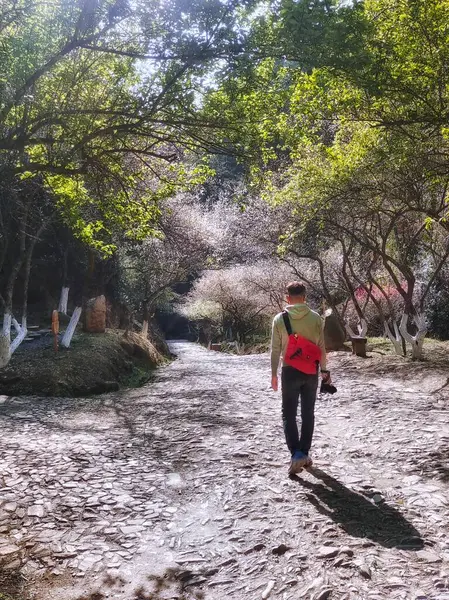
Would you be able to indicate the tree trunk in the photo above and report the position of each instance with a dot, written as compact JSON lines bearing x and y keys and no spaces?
{"x":349,"y":331}
{"x":395,"y":338}
{"x":416,"y":341}
{"x":22,"y":330}
{"x":5,"y":340}
{"x":362,"y":325}
{"x":362,"y":329}
{"x":5,"y":353}
{"x":146,"y":313}
{"x":17,"y":265}
{"x":12,"y":282}
{"x":130,"y":324}
{"x":144,"y":331}
{"x":25,"y":256}
{"x":67,"y":338}
{"x":21,"y":333}
{"x":63,"y":300}
{"x":6,"y":329}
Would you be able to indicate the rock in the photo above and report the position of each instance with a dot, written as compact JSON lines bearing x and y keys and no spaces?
{"x":429,"y":556}
{"x":36,"y":511}
{"x":175,"y":480}
{"x":41,"y":551}
{"x":280,"y":550}
{"x":256,"y":548}
{"x":327,"y":552}
{"x":95,"y":315}
{"x":6,"y":551}
{"x":131,"y":529}
{"x":323,"y":594}
{"x":346,"y":550}
{"x":220,"y":582}
{"x":342,"y":561}
{"x":267,"y":591}
{"x":13,"y":565}
{"x":365,"y":571}
{"x":227,"y":562}
{"x":306,"y":592}
{"x":334,"y":335}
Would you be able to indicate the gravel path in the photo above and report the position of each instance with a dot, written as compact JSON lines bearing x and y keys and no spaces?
{"x":179,"y":489}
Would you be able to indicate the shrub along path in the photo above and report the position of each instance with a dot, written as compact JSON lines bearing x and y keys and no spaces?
{"x":179,"y":489}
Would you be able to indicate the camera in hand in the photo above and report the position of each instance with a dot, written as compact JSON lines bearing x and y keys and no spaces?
{"x":327,"y":388}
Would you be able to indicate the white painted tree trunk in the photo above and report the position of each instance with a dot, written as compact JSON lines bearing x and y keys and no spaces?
{"x":63,"y":300}
{"x":394,"y":337}
{"x":362,"y":329}
{"x":7,"y":348}
{"x":68,"y":334}
{"x":6,"y":330}
{"x":349,"y":331}
{"x":144,"y":331}
{"x":416,"y":341}
{"x":21,"y":331}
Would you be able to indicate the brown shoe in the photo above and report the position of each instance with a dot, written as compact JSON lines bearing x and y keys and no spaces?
{"x":309,"y":463}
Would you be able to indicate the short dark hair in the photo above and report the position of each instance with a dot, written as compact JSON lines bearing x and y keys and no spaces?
{"x":296,"y":288}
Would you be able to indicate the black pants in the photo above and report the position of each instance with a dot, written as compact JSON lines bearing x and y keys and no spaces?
{"x":295,"y":385}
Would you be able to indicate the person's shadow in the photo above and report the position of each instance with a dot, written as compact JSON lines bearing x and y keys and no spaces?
{"x":359,"y":516}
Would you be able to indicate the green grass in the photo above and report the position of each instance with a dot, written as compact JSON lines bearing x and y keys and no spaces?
{"x":94,"y":363}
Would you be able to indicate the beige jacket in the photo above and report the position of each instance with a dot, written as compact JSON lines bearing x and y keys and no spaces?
{"x":304,"y":321}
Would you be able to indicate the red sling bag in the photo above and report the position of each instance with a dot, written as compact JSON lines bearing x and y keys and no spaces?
{"x":301,"y":354}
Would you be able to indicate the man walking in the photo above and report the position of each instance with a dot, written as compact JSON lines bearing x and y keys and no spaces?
{"x":298,"y":337}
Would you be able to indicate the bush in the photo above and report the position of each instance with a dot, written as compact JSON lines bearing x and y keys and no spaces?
{"x":238,"y":303}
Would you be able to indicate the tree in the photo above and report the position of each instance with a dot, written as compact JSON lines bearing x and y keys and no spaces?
{"x":353,"y":143}
{"x":23,"y":223}
{"x":155,"y":267}
{"x":239,"y":300}
{"x":98,"y":107}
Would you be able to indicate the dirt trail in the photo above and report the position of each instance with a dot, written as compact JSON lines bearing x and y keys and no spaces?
{"x":179,"y":489}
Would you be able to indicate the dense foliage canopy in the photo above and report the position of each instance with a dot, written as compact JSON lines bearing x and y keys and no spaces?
{"x":314,"y":132}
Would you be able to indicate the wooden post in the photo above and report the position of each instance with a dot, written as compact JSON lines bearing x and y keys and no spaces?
{"x":55,"y":329}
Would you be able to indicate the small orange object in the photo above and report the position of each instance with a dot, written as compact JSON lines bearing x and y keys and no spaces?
{"x":55,"y":328}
